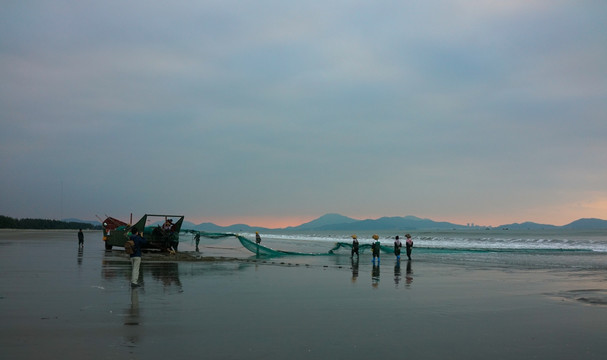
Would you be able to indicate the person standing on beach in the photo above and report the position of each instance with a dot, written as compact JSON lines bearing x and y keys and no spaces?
{"x":397,"y":246}
{"x":197,"y":238}
{"x":257,"y":238}
{"x":80,"y":238}
{"x":409,"y":245}
{"x":376,"y":247}
{"x":138,"y":240}
{"x":354,"y":247}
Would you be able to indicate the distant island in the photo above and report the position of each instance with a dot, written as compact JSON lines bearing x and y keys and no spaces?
{"x":328,"y":222}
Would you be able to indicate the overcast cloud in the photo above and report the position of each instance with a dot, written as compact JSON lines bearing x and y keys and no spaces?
{"x":276,"y":112}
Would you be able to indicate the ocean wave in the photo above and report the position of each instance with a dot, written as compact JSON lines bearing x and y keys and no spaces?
{"x":459,"y":243}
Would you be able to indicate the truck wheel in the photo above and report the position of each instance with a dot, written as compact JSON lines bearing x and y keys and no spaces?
{"x":108,"y":246}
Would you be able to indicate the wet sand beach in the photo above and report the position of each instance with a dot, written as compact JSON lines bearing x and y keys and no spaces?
{"x":58,"y":301}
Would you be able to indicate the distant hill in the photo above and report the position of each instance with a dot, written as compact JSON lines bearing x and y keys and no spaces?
{"x":581,"y":224}
{"x":343,"y":223}
{"x":327,"y":220}
{"x":337,"y":222}
{"x":236,"y":228}
{"x":527,"y":226}
{"x":590,"y":224}
{"x":187,"y":225}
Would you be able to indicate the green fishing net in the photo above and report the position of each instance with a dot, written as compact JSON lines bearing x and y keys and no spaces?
{"x":262,"y":250}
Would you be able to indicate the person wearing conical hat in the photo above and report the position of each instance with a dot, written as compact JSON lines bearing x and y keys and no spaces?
{"x":376,"y":247}
{"x":354,"y":247}
{"x":257,"y":237}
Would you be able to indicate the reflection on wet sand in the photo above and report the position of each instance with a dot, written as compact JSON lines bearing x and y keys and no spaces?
{"x":409,"y":276}
{"x":80,"y":254}
{"x":375,"y":275}
{"x":132,"y":313}
{"x":166,"y":273}
{"x":132,"y":320}
{"x":397,"y":273}
{"x":354,"y":269}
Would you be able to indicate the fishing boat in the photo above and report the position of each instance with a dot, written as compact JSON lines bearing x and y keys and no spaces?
{"x":163,"y":234}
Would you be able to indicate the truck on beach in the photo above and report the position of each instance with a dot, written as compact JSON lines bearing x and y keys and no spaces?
{"x":162,"y":234}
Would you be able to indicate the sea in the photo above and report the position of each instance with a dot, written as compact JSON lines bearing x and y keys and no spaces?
{"x":525,"y":249}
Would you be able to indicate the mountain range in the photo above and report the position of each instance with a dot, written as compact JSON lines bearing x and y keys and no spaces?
{"x":337,"y":222}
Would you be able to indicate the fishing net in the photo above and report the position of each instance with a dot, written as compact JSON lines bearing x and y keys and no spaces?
{"x":262,"y":250}
{"x":250,"y":245}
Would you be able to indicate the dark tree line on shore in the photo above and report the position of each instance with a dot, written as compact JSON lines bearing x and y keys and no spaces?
{"x":11,"y":223}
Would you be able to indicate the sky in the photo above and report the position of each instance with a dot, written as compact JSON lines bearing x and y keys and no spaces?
{"x":273,"y":113}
